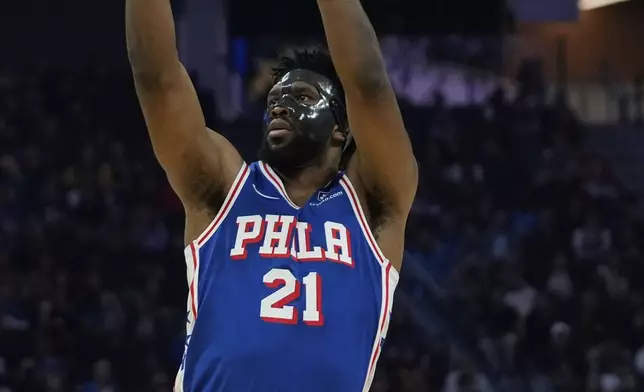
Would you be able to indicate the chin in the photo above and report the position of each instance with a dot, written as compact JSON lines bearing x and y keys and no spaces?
{"x":280,"y":145}
{"x":292,"y":154}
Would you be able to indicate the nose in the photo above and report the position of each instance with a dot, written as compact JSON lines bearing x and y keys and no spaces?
{"x":279,"y":111}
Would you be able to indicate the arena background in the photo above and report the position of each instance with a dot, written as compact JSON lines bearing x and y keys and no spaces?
{"x":524,"y":269}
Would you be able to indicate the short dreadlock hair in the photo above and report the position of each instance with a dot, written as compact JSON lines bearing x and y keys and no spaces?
{"x":316,"y":60}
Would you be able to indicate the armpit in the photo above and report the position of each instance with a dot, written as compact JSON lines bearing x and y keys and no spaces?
{"x":207,"y":190}
{"x":377,"y":211}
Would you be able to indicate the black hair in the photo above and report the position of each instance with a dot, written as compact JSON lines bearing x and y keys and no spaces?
{"x":319,"y":61}
{"x":316,"y":60}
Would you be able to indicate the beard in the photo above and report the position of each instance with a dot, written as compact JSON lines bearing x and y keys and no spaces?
{"x":293,"y":156}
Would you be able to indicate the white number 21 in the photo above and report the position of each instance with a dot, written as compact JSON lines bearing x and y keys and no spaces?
{"x":276,"y":309}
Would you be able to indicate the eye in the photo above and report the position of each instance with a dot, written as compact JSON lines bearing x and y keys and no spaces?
{"x":303,"y":97}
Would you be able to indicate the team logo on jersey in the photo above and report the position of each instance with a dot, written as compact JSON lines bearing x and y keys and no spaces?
{"x":278,"y":236}
{"x":322,"y":195}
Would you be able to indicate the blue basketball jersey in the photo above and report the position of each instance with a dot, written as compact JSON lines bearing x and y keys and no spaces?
{"x":283,"y":298}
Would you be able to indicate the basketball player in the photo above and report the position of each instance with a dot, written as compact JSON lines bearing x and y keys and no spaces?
{"x":292,"y":260}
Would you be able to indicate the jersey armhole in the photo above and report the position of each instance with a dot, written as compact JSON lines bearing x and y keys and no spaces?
{"x":227,"y":205}
{"x":366,"y":230}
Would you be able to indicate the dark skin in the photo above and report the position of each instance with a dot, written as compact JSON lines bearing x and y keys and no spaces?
{"x":201,"y":164}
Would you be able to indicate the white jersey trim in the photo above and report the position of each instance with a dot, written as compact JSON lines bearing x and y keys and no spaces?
{"x":192,"y":266}
{"x":389,"y":283}
{"x":229,"y":201}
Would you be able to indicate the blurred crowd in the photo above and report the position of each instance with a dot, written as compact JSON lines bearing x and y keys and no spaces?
{"x":531,"y":244}
{"x":533,"y":247}
{"x":533,"y":250}
{"x":91,"y":287}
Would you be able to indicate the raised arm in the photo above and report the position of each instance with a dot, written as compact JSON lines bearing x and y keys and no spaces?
{"x":384,"y":160}
{"x":199,"y":163}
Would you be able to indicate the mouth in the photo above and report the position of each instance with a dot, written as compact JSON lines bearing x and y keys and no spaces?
{"x":278,"y":129}
{"x":278,"y":133}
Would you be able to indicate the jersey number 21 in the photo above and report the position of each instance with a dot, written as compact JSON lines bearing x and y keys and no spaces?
{"x":276,"y":309}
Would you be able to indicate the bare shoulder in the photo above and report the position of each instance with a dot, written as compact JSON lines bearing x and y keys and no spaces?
{"x":386,"y":220}
{"x":231,"y":161}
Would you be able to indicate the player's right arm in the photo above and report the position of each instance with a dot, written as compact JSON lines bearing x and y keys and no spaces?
{"x":200,"y":164}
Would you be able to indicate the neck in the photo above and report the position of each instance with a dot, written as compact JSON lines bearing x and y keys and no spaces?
{"x":303,"y":183}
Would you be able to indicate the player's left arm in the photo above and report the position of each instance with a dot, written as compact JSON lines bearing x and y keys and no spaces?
{"x":384,"y":154}
{"x":384,"y":161}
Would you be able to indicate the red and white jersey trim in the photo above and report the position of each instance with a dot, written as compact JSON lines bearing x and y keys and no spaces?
{"x":192,"y":263}
{"x":389,"y":283}
{"x":274,"y":179}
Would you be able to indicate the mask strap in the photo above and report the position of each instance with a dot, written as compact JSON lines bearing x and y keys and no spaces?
{"x":348,"y":141}
{"x":339,"y":113}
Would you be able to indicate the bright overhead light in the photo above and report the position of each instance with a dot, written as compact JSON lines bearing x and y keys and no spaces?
{"x":592,"y":4}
